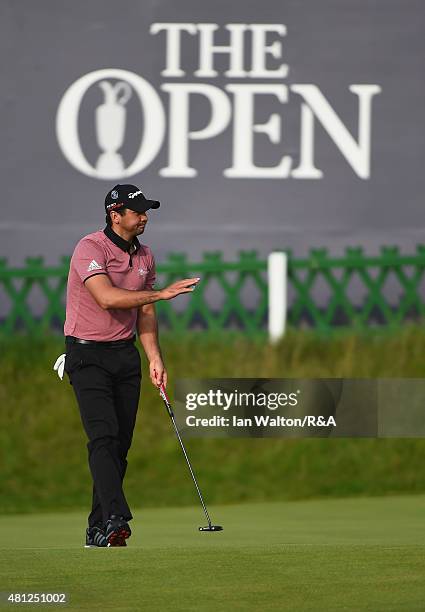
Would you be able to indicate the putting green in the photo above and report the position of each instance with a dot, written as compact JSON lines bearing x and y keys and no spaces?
{"x":350,"y":554}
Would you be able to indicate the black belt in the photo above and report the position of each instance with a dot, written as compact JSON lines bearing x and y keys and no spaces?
{"x":106,"y":343}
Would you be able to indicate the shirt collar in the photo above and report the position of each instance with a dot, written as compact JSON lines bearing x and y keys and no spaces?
{"x":120,"y":242}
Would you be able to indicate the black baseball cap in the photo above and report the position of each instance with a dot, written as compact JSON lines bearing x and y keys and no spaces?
{"x":128,"y":196}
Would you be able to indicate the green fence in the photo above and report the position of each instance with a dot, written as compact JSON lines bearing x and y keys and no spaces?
{"x":324,"y":292}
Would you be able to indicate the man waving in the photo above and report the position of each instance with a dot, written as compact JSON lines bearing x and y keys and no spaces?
{"x":110,"y":297}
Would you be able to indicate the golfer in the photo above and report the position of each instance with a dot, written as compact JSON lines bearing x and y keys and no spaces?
{"x":110,"y":298}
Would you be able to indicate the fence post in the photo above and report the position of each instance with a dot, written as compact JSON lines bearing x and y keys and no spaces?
{"x":277,"y":268}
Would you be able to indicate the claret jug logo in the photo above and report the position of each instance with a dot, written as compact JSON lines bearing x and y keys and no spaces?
{"x":232,"y":106}
{"x":110,"y":123}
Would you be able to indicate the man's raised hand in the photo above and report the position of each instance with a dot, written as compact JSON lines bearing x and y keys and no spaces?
{"x":182,"y":286}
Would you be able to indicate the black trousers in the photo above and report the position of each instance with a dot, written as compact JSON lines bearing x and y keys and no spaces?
{"x":106,"y":382}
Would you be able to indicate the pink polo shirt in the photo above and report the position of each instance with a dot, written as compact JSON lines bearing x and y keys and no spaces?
{"x":96,"y":253}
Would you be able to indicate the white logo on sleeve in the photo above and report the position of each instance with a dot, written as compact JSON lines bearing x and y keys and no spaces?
{"x":142,"y":272}
{"x":93,"y":266}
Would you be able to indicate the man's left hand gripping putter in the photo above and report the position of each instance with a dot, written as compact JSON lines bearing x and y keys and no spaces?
{"x":59,"y":365}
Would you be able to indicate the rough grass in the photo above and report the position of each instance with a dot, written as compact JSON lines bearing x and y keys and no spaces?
{"x":43,"y":454}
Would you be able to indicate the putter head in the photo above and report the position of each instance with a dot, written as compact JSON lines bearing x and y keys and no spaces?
{"x":211,"y":528}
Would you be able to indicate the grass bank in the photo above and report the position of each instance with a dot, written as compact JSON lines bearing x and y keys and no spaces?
{"x":43,"y":454}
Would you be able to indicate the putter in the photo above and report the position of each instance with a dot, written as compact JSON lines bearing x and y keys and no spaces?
{"x":209,"y":527}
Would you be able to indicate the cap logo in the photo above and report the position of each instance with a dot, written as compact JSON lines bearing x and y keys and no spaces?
{"x":114,"y":194}
{"x":133,"y":195}
{"x":115,"y":205}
